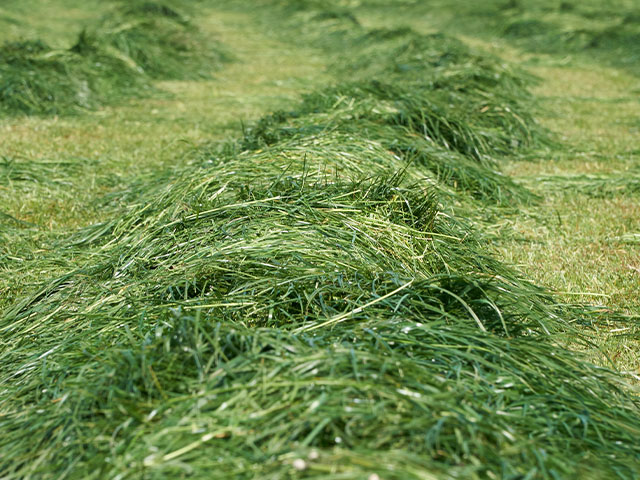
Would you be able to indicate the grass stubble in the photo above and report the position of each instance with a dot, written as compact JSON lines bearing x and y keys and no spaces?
{"x":316,"y":299}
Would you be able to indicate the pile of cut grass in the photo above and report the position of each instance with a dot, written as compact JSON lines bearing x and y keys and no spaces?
{"x":36,"y":79}
{"x":302,"y":305}
{"x":619,"y":36}
{"x":269,"y":308}
{"x":608,"y":32}
{"x":429,"y":99}
{"x":157,"y":39}
{"x":136,"y":43}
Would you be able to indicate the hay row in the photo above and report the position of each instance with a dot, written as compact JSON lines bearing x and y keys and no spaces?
{"x":303,"y":304}
{"x":132,"y":45}
{"x":608,"y":32}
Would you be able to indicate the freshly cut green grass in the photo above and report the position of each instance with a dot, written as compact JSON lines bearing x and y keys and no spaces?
{"x":309,"y":302}
{"x":299,"y":311}
{"x":155,"y":39}
{"x":134,"y":44}
{"x":36,"y":79}
{"x":607,"y":32}
{"x":101,"y":161}
{"x":428,"y":98}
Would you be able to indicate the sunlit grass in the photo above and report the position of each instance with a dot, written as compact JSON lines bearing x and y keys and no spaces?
{"x":338,"y":290}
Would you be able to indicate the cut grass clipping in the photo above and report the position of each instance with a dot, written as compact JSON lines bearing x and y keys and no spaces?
{"x":430,"y":100}
{"x":304,"y":307}
{"x":135,"y":43}
{"x":611,"y":33}
{"x":608,"y":32}
{"x":37,"y":79}
{"x":156,"y":39}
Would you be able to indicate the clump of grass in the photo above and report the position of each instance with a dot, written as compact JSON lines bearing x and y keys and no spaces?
{"x":607,"y":32}
{"x":134,"y":44}
{"x":37,"y":79}
{"x":587,"y":30}
{"x":303,"y":304}
{"x":321,"y":22}
{"x":619,"y":38}
{"x":157,"y":40}
{"x":429,"y":99}
{"x":271,"y":301}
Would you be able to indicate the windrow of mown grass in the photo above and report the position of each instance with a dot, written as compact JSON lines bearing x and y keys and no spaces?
{"x":608,"y":32}
{"x":117,"y":54}
{"x":454,"y":119}
{"x":304,"y":303}
{"x":135,"y":43}
{"x":428,"y":98}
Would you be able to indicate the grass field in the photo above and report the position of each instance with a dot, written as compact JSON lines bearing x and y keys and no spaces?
{"x":378,"y":239}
